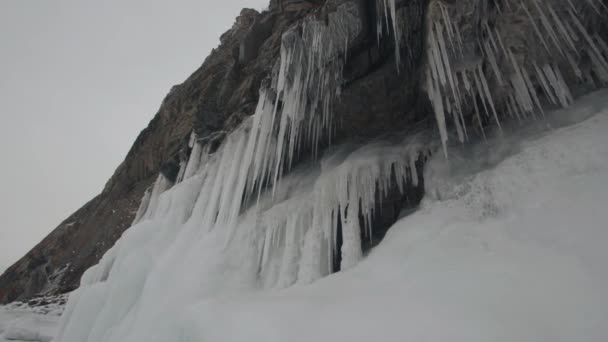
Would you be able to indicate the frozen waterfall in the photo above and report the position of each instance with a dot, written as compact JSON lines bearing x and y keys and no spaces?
{"x":248,"y":217}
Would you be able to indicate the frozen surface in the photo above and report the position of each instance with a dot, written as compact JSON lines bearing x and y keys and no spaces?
{"x":508,"y":245}
{"x":25,"y":322}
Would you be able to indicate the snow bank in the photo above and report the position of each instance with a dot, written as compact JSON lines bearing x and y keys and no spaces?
{"x":32,"y":328}
{"x":23,"y":322}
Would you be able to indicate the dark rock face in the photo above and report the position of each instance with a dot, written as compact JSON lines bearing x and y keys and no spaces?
{"x":375,"y":100}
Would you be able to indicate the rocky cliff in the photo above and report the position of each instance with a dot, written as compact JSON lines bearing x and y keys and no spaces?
{"x":400,"y":66}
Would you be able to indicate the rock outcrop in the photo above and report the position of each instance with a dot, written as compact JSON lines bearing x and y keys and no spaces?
{"x":382,"y":93}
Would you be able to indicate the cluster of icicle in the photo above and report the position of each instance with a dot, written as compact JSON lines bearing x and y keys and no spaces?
{"x":296,"y":224}
{"x":387,"y":14}
{"x":300,"y":240}
{"x":455,"y":79}
{"x":244,"y":177}
{"x":193,"y":241}
{"x":295,"y":228}
{"x":293,"y":112}
{"x":307,"y":83}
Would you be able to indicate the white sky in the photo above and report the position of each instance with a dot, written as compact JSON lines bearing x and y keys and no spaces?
{"x":79,"y":79}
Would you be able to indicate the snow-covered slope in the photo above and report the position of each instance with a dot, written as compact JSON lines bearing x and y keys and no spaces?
{"x":508,"y":245}
{"x":36,"y":320}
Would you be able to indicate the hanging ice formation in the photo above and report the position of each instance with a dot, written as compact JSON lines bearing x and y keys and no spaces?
{"x":198,"y":237}
{"x":457,"y":80}
{"x":308,"y":82}
{"x":291,"y":229}
{"x":296,"y":234}
{"x":226,"y":222}
{"x":279,"y":240}
{"x":387,"y":14}
{"x":294,"y":227}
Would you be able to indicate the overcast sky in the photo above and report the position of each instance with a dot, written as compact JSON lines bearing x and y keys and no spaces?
{"x":79,"y":79}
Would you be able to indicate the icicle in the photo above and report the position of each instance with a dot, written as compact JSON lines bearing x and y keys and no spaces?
{"x":446,"y":61}
{"x":478,"y":115}
{"x":558,"y":87}
{"x":436,"y":56}
{"x":465,"y":80}
{"x":571,"y":31}
{"x":516,"y":108}
{"x":413,"y":170}
{"x":590,"y":2}
{"x":501,"y":43}
{"x":489,"y":33}
{"x":536,"y":29}
{"x":180,"y":173}
{"x":545,"y":21}
{"x":602,"y":5}
{"x":459,"y":127}
{"x":562,"y":28}
{"x":459,"y":39}
{"x":436,"y":100}
{"x":545,"y":84}
{"x":573,"y":64}
{"x":448,"y":24}
{"x":602,"y":62}
{"x":479,"y":92}
{"x":602,"y":44}
{"x":488,"y":95}
{"x":192,"y":140}
{"x":494,"y":64}
{"x":396,"y":31}
{"x":143,"y":206}
{"x":193,"y":162}
{"x":519,"y":85}
{"x":564,"y":86}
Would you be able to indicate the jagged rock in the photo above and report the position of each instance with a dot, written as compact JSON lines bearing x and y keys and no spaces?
{"x":299,"y":5}
{"x":258,"y":33}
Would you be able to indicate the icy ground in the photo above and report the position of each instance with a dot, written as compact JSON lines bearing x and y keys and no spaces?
{"x":35,"y":321}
